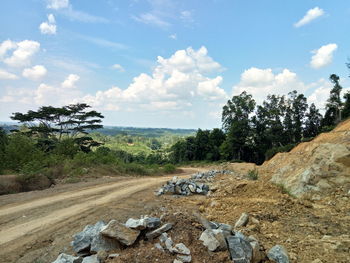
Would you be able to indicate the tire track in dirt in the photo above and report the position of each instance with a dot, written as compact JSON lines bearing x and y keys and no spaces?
{"x":54,"y":217}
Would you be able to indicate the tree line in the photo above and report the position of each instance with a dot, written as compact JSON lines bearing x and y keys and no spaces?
{"x":254,"y":133}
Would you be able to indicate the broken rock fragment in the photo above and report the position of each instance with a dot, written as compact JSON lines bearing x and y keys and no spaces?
{"x":157,"y":232}
{"x":64,"y":258}
{"x":278,"y":254}
{"x":213,"y":239}
{"x":120,"y":232}
{"x":82,"y":240}
{"x":240,"y":249}
{"x":242,"y":221}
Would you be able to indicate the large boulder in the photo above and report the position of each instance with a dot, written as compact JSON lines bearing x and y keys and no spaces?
{"x":213,"y":239}
{"x":240,"y":249}
{"x":82,"y":240}
{"x":103,"y":243}
{"x":120,"y":232}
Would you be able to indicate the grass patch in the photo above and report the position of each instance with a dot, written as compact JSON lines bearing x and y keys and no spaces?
{"x":285,"y":190}
{"x":253,"y":175}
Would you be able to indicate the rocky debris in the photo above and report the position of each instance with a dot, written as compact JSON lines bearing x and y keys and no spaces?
{"x":120,"y":232}
{"x":114,"y":255}
{"x":226,"y":228}
{"x":82,"y":240}
{"x":242,"y":221}
{"x":91,"y":259}
{"x":240,"y":249}
{"x":278,"y":254}
{"x":102,"y":243}
{"x":213,"y":239}
{"x":209,"y":174}
{"x":183,"y":254}
{"x":157,"y":232}
{"x":183,"y":187}
{"x":194,"y":185}
{"x":64,"y":258}
{"x":143,"y":223}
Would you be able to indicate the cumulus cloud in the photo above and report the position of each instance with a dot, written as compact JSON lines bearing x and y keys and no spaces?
{"x":118,"y":67}
{"x":22,"y":54}
{"x":70,"y":81}
{"x":57,"y":4}
{"x":173,"y":84}
{"x":49,"y":27}
{"x":261,"y":82}
{"x":7,"y":75}
{"x":323,"y":56}
{"x":6,"y":46}
{"x":35,"y":73}
{"x":311,"y":15}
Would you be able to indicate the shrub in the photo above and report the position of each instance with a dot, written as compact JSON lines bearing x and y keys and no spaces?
{"x":66,"y":147}
{"x":19,"y":151}
{"x":253,"y":174}
{"x":169,"y":168}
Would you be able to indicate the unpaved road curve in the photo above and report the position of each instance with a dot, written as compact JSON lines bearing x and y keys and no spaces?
{"x":27,"y":224}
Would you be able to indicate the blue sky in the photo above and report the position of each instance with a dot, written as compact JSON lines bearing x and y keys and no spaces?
{"x":167,"y":63}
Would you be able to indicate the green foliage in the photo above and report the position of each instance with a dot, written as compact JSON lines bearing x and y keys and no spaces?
{"x":66,"y":147}
{"x":253,"y":175}
{"x":19,"y":151}
{"x":169,"y":168}
{"x":285,"y":190}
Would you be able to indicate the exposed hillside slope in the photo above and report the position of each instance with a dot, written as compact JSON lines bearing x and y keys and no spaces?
{"x":319,"y":165}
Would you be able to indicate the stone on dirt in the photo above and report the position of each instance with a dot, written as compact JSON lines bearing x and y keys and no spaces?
{"x":182,"y":249}
{"x":240,"y":249}
{"x":103,"y":243}
{"x":242,"y":221}
{"x":120,"y":232}
{"x":184,"y":258}
{"x":91,"y":259}
{"x":82,"y":240}
{"x":278,"y":254}
{"x":157,"y":232}
{"x":143,"y":223}
{"x":213,"y":239}
{"x":64,"y":258}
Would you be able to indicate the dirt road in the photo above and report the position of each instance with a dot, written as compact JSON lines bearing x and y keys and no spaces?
{"x":35,"y":227}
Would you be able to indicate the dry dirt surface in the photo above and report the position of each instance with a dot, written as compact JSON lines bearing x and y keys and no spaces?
{"x":37,"y":226}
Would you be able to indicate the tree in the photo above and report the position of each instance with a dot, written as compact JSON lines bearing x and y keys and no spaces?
{"x":313,"y":122}
{"x":334,"y":103}
{"x":346,"y":107}
{"x":237,"y":125}
{"x":54,"y":122}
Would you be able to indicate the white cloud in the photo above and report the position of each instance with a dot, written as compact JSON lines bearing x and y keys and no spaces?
{"x":57,"y":4}
{"x":49,"y":27}
{"x":23,"y":53}
{"x":173,"y":36}
{"x":35,"y":73}
{"x":173,"y":84}
{"x":311,"y":15}
{"x":6,"y":46}
{"x":186,"y":16}
{"x":151,"y":19}
{"x":69,"y":82}
{"x":118,"y":67}
{"x":323,"y":56}
{"x":262,"y":82}
{"x":7,"y":75}
{"x":102,"y":42}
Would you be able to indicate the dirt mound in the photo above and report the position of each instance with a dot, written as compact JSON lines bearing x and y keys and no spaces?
{"x":322,"y":164}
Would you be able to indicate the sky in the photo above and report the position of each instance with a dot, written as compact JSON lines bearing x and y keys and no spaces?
{"x":168,"y":63}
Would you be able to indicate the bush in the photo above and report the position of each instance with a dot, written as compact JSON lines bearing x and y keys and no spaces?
{"x":169,"y":168}
{"x":253,"y":174}
{"x":66,"y":147}
{"x":20,"y":151}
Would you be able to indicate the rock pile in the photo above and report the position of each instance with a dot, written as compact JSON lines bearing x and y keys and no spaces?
{"x":195,"y":185}
{"x":98,"y":239}
{"x":242,"y":249}
{"x":183,"y":187}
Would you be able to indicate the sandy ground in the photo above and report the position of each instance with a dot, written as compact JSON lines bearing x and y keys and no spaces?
{"x":37,"y":226}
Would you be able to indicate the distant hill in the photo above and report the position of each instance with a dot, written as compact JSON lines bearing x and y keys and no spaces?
{"x":145,"y":132}
{"x":114,"y":130}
